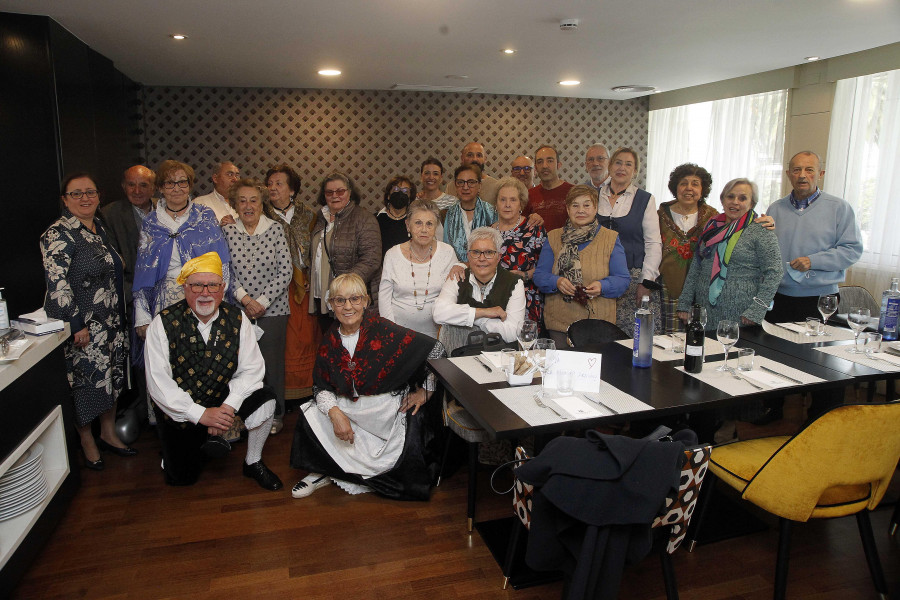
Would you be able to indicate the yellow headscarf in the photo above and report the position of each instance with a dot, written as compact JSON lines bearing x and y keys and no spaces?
{"x":205,"y":263}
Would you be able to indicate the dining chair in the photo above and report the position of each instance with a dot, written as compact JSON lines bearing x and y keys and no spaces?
{"x":856,"y":295}
{"x":840,"y":464}
{"x":458,"y":421}
{"x":674,"y":517}
{"x":594,"y":331}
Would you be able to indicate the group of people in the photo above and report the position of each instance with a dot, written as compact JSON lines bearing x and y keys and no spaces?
{"x":229,"y":299}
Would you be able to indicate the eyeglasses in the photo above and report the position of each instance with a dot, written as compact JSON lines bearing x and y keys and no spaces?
{"x":77,"y":194}
{"x":340,"y":301}
{"x":337,"y":192}
{"x":467,"y":183}
{"x":521,"y":169}
{"x":182,"y":183}
{"x":198,"y":288}
{"x":488,"y":254}
{"x":405,"y":190}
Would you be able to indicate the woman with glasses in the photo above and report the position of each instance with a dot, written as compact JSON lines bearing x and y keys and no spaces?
{"x":261,"y":277}
{"x":414,"y":271}
{"x":470,"y":213}
{"x":345,"y":239}
{"x":177,"y":231}
{"x":84,"y":277}
{"x":521,"y":242}
{"x":582,"y":268}
{"x":368,"y":426}
{"x":631,"y":212}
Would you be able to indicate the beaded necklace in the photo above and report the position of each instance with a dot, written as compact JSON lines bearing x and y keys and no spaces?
{"x":412,"y":272}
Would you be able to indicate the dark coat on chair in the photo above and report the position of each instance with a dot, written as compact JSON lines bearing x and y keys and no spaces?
{"x":594,"y":503}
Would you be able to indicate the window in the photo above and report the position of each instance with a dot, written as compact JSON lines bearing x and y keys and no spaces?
{"x":736,"y":137}
{"x":863,"y":167}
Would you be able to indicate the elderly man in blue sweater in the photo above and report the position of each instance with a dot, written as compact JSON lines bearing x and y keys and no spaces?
{"x":819,"y":241}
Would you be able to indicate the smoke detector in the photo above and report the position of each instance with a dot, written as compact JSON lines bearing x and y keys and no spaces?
{"x":568,"y":25}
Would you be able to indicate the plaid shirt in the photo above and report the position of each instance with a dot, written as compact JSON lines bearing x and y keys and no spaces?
{"x":804,"y":204}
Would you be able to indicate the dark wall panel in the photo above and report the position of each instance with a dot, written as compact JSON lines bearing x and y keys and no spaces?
{"x":29,"y":156}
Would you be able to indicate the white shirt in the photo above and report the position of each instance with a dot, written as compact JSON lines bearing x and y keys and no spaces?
{"x":178,"y":404}
{"x":218,"y":204}
{"x":650,"y":225}
{"x":448,"y":312}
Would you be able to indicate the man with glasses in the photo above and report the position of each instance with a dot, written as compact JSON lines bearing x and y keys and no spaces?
{"x":487,"y":298}
{"x":596,"y":163}
{"x":473,"y":154}
{"x":548,"y":199}
{"x":523,"y":170}
{"x":204,"y":368}
{"x":224,"y":177}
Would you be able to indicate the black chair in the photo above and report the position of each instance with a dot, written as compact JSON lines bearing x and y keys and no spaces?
{"x":594,"y":331}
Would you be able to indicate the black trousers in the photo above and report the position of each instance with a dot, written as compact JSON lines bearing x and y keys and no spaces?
{"x":182,"y":459}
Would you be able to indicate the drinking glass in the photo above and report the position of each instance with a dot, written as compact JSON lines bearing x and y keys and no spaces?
{"x":857,"y":319}
{"x":544,"y":356}
{"x":527,"y":334}
{"x":727,"y":333}
{"x":828,"y":305}
{"x":701,"y":316}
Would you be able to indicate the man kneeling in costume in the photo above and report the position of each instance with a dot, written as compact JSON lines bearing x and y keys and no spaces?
{"x":204,"y":368}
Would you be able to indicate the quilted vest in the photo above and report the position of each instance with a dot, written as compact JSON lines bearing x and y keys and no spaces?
{"x":499,"y":295}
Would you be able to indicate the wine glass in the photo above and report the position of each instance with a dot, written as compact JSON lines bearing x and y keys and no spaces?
{"x":527,"y":334}
{"x":828,"y":305}
{"x":544,"y":356}
{"x":857,"y":319}
{"x":727,"y":333}
{"x":701,"y":315}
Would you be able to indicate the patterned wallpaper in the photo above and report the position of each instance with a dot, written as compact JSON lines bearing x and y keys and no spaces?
{"x":373,"y":135}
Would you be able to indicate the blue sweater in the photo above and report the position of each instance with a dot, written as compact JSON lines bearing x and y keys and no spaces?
{"x":611,"y":286}
{"x":827,"y":233}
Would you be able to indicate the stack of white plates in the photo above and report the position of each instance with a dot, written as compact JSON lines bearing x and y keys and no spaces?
{"x":24,"y":486}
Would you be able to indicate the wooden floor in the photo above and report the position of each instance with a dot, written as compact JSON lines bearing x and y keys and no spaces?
{"x":127,"y":536}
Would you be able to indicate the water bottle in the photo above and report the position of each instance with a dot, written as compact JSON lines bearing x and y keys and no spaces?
{"x":4,"y":313}
{"x":642,"y":354}
{"x":890,"y":311}
{"x":693,"y":343}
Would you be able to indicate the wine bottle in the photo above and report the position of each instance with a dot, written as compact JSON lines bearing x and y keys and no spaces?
{"x":693,"y":343}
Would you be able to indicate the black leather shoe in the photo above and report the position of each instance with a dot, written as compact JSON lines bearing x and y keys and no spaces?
{"x":263,"y":476}
{"x":215,"y":446}
{"x":126,"y":451}
{"x":93,"y":465}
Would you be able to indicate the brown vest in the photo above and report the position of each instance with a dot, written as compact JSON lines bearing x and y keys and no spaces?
{"x":558,"y":314}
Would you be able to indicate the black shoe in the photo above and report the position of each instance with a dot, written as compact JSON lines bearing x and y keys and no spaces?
{"x":263,"y":476}
{"x":126,"y":451}
{"x":215,"y":446}
{"x":93,"y":465}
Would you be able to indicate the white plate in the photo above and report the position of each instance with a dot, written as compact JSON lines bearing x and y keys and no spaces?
{"x":23,"y":495}
{"x":16,"y":348}
{"x":25,"y":507}
{"x":18,"y":481}
{"x":26,"y":459}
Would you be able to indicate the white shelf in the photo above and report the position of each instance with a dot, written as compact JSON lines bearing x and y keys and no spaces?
{"x":51,"y":435}
{"x":42,"y":346}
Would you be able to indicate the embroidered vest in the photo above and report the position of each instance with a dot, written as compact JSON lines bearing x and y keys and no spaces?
{"x":559,"y":314}
{"x":203,"y":369}
{"x":499,"y":295}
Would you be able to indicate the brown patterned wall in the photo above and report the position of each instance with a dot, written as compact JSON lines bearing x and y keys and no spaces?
{"x":373,"y":135}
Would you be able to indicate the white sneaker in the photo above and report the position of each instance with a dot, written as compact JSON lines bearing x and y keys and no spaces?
{"x":309,"y":484}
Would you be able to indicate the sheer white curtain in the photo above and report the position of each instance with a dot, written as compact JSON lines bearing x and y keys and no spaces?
{"x":864,"y":169}
{"x":737,"y":137}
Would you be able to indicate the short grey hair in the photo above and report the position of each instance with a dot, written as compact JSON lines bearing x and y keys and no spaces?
{"x":486,"y":233}
{"x":516,"y":184}
{"x":419,"y":205}
{"x":754,"y":190}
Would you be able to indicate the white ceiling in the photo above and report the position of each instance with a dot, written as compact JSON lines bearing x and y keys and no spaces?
{"x":669,"y":44}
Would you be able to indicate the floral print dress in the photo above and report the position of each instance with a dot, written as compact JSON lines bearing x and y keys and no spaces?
{"x":522,"y":248}
{"x":84,"y":288}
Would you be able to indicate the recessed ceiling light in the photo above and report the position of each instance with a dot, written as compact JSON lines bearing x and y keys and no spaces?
{"x":811,"y":58}
{"x":456,"y":76}
{"x":508,"y":51}
{"x":630,"y":89}
{"x":178,"y":36}
{"x":569,"y":82}
{"x":329,"y":72}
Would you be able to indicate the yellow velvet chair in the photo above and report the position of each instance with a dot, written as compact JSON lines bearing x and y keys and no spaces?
{"x":838,"y":465}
